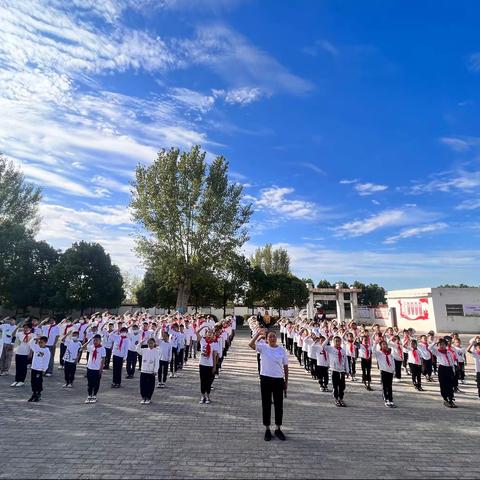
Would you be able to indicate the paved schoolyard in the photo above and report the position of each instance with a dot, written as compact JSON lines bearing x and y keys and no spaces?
{"x":175,"y":437}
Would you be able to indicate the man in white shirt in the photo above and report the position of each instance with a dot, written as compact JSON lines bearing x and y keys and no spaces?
{"x":7,"y":329}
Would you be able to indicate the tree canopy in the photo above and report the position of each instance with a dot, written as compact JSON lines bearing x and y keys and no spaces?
{"x":271,"y":260}
{"x":192,"y":219}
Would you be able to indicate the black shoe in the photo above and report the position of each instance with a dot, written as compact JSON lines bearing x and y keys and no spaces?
{"x":31,"y":398}
{"x":280,"y":435}
{"x":337,"y":403}
{"x":452,"y":404}
{"x":342,"y":403}
{"x":112,"y":385}
{"x":420,"y":389}
{"x":268,"y":435}
{"x":36,"y":398}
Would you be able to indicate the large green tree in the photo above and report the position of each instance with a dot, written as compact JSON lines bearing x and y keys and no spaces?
{"x":192,"y":219}
{"x":86,"y":278}
{"x":286,"y":291}
{"x":271,"y":260}
{"x":151,"y":293}
{"x":371,"y":294}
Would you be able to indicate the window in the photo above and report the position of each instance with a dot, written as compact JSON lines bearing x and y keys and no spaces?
{"x":454,"y":310}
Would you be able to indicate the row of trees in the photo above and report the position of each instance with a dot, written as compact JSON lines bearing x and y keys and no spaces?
{"x":247,"y":284}
{"x":33,"y":273}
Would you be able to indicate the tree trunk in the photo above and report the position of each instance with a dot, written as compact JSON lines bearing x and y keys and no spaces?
{"x":183,"y":295}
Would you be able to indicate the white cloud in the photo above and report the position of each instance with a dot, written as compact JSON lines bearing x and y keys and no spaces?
{"x":471,"y":204}
{"x":448,"y":181}
{"x":365,"y":189}
{"x":193,"y":99}
{"x":110,"y":184}
{"x":240,"y":96}
{"x":322,"y":46}
{"x":348,"y":182}
{"x":416,"y":232}
{"x":311,"y":166}
{"x":384,"y":219}
{"x":274,"y":199}
{"x":457,"y":144}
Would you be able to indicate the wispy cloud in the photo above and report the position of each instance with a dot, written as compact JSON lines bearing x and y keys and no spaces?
{"x":470,"y":204}
{"x":347,"y":181}
{"x":274,"y":200}
{"x":460,"y":144}
{"x":322,"y":46}
{"x":370,"y":224}
{"x":365,"y":189}
{"x":312,"y":167}
{"x":416,"y":232}
{"x":460,"y":180}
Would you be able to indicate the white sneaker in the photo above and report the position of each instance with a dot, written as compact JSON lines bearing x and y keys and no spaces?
{"x":387,"y":404}
{"x":202,"y":400}
{"x":142,"y":402}
{"x":172,"y":375}
{"x":88,"y":400}
{"x":93,"y":400}
{"x":20,"y":384}
{"x":14,"y":384}
{"x":48,"y":374}
{"x":148,"y":402}
{"x":207,"y":400}
{"x":398,"y":380}
{"x":60,"y":367}
{"x":65,"y":386}
{"x":162,"y":385}
{"x":70,"y":385}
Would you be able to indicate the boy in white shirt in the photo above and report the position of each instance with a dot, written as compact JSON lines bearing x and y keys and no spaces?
{"x":474,"y":350}
{"x":150,"y":365}
{"x":6,"y":329}
{"x":52,"y":332}
{"x":339,"y":366}
{"x":40,"y":362}
{"x":132,"y":355}
{"x":22,"y":352}
{"x":71,"y":356}
{"x":95,"y":363}
{"x":165,"y":349}
{"x":119,"y":354}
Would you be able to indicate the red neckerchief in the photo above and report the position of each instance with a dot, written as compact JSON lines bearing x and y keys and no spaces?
{"x":367,"y":352}
{"x":208,"y":347}
{"x":324,"y":354}
{"x":339,"y":354}
{"x":50,"y":329}
{"x":452,"y":351}
{"x":425,"y":344}
{"x":67,"y":328}
{"x":387,"y":356}
{"x":351,"y":346}
{"x":400,"y":350}
{"x":26,"y":338}
{"x":121,"y":343}
{"x":445,"y":352}
{"x":95,"y":348}
{"x":143,"y":334}
{"x":415,"y":355}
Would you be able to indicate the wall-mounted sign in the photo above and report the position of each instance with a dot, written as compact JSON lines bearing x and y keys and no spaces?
{"x":413,"y":309}
{"x":470,"y":310}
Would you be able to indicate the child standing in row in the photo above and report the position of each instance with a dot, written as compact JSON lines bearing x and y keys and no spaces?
{"x":40,"y":363}
{"x":95,"y":364}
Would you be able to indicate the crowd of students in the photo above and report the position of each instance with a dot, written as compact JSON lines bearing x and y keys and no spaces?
{"x":332,"y":351}
{"x":158,"y":346}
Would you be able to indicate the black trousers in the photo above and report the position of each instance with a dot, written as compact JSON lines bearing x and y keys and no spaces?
{"x":63,"y":349}
{"x":36,"y":380}
{"x":180,"y":356}
{"x":206,"y":379}
{"x":306,"y":360}
{"x":108,"y":357}
{"x":338,"y":381}
{"x":387,"y":380}
{"x":434,"y":364}
{"x":272,"y":386}
{"x":461,"y":370}
{"x":147,"y":385}
{"x":282,"y":336}
{"x":93,"y":380}
{"x":446,"y":379}
{"x":187,"y":350}
{"x":163,"y":371}
{"x":405,"y":359}
{"x":456,"y":376}
{"x":297,"y":351}
{"x":416,"y":371}
{"x":174,"y":361}
{"x":21,"y":362}
{"x":258,"y":363}
{"x":290,"y":344}
{"x":69,"y":370}
{"x":366,"y":369}
{"x":352,"y":365}
{"x":131,"y":362}
{"x":313,"y":367}
{"x":398,"y":368}
{"x":117,"y":370}
{"x":427,"y":367}
{"x":478,"y":383}
{"x":322,"y":375}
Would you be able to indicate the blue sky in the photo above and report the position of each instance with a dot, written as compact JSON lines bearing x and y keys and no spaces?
{"x":353,"y":125}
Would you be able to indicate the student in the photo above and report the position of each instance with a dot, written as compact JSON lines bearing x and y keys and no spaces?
{"x":175,"y":347}
{"x":456,"y":372}
{"x":40,"y":362}
{"x":165,"y":349}
{"x":145,"y":335}
{"x":65,"y":327}
{"x":133,"y":342}
{"x":189,"y":333}
{"x":273,"y":380}
{"x":107,"y":342}
{"x":446,"y":372}
{"x":339,"y":366}
{"x":322,"y":363}
{"x":71,"y":356}
{"x":6,"y":328}
{"x":95,"y":363}
{"x":365,"y":354}
{"x":350,"y":348}
{"x":414,"y":362}
{"x":460,"y":353}
{"x":474,"y":350}
{"x":22,"y":352}
{"x":427,"y":357}
{"x":52,"y":332}
{"x":150,"y":366}
{"x":397,"y":354}
{"x":387,"y":369}
{"x":181,"y":340}
{"x":207,"y":362}
{"x":119,"y":354}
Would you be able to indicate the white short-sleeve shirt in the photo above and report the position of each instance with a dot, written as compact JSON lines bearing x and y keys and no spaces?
{"x":272,"y":360}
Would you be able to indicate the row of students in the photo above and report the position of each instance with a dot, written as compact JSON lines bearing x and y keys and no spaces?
{"x":350,"y":343}
{"x":166,"y":346}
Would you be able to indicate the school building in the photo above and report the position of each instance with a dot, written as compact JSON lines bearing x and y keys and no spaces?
{"x":439,"y":309}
